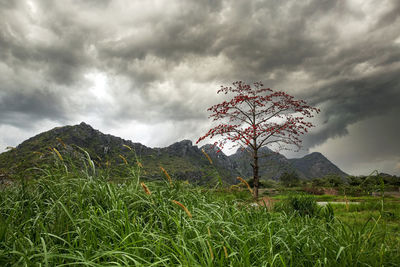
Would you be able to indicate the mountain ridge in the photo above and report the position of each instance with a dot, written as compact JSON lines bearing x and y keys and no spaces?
{"x":182,"y":159}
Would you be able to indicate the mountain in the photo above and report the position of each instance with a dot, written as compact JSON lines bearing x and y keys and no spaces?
{"x":272,"y":164}
{"x":316,"y":165}
{"x":182,"y":159}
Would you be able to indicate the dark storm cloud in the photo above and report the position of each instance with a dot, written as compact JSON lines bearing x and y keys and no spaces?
{"x":23,"y":109}
{"x":165,"y":59}
{"x":354,"y":99}
{"x":257,"y":39}
{"x":51,"y":44}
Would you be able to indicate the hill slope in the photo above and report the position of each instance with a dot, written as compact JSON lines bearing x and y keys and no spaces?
{"x":316,"y":165}
{"x":182,"y":160}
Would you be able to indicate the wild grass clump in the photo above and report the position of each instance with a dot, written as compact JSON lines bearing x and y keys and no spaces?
{"x":302,"y":204}
{"x":66,"y":219}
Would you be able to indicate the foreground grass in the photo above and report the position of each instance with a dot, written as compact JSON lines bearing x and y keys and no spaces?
{"x":70,"y":220}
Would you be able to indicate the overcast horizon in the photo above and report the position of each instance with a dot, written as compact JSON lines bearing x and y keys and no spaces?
{"x":147,"y":71}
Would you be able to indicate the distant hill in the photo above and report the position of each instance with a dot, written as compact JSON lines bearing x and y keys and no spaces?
{"x":182,"y":160}
{"x":272,"y":164}
{"x":315,"y":165}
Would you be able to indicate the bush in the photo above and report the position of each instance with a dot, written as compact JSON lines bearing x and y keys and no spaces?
{"x":304,"y":205}
{"x":314,"y":190}
{"x":260,"y":183}
{"x":289,"y":179}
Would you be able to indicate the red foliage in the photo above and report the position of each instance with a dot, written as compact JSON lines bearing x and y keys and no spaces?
{"x":258,"y":116}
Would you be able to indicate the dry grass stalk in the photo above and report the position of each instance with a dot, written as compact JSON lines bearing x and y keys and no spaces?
{"x":347,"y":202}
{"x":128,"y":147}
{"x":61,"y":142}
{"x":145,"y":188}
{"x":183,"y":207}
{"x":207,"y":156}
{"x":244,"y":181}
{"x":167,"y":175}
{"x":226,"y":252}
{"x":124,"y":159}
{"x":211,"y":252}
{"x":58,"y":154}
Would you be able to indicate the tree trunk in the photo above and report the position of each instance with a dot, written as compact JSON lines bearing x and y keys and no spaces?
{"x":255,"y":175}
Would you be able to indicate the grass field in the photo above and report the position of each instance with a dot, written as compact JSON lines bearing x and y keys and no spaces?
{"x":74,"y":218}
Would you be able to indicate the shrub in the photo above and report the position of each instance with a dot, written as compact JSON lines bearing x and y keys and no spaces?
{"x":302,"y":204}
{"x":314,"y":190}
{"x":289,"y":179}
{"x":260,"y":183}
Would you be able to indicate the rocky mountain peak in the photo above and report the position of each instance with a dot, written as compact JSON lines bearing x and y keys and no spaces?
{"x":181,"y":148}
{"x":84,"y":125}
{"x":211,"y":149}
{"x":315,"y":155}
{"x":316,"y":165}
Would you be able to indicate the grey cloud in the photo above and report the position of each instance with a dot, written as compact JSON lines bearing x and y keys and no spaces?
{"x":63,"y":57}
{"x":152,"y":53}
{"x":23,"y":109}
{"x":391,"y":16}
{"x":371,"y":144}
{"x":350,"y":100}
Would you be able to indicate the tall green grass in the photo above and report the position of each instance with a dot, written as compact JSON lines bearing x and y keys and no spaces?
{"x":74,"y":218}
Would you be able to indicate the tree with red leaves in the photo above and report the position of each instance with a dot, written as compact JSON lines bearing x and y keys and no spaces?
{"x":256,"y":117}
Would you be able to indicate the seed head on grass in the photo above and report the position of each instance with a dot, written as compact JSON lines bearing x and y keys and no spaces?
{"x":140,"y":165}
{"x":347,"y":202}
{"x":58,"y":154}
{"x":128,"y":147}
{"x":183,"y":207}
{"x":61,"y":142}
{"x":145,"y":188}
{"x":124,"y":159}
{"x":207,"y":156}
{"x":210,"y":249}
{"x":166,"y":175}
{"x":244,"y":181}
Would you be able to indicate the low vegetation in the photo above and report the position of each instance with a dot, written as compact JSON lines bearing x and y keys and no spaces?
{"x":74,"y":217}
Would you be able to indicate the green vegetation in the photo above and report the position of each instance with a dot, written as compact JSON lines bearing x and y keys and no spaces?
{"x":78,"y":216}
{"x":300,"y":203}
{"x":109,"y":153}
{"x":289,"y":179}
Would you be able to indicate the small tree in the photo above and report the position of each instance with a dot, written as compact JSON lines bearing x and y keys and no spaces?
{"x":257,"y":117}
{"x":289,"y":179}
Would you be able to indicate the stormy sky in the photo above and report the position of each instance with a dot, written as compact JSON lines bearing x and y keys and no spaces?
{"x":148,"y":70}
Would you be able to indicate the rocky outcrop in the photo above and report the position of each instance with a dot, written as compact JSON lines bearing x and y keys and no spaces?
{"x":183,"y":148}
